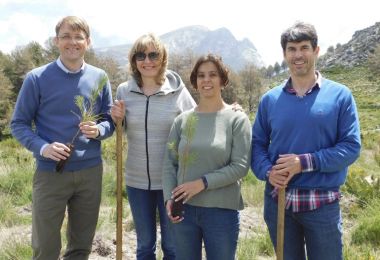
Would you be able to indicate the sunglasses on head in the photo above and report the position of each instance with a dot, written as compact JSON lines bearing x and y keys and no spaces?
{"x":140,"y":56}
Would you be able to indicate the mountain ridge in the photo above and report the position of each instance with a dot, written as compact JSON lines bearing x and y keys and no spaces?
{"x":200,"y":40}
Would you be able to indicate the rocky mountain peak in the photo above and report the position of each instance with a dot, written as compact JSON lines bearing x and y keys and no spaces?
{"x":200,"y":40}
{"x":355,"y":52}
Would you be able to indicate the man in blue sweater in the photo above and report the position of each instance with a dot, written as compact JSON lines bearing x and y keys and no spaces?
{"x":45,"y":119}
{"x":305,"y":135}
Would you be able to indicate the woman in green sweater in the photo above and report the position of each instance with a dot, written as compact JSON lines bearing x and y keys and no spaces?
{"x":207,"y":155}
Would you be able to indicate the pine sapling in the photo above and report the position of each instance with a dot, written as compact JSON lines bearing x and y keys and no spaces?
{"x":87,"y":113}
{"x":185,"y":158}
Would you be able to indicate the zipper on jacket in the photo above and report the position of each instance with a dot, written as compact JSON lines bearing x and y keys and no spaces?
{"x":146,"y":135}
{"x":146,"y":141}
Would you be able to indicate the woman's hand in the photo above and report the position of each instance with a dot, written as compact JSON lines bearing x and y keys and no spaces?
{"x":169,"y":206}
{"x":118,"y":110}
{"x":187,"y":190}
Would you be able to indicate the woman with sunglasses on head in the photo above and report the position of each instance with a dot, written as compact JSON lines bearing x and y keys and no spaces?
{"x":148,"y":103}
{"x":207,"y":156}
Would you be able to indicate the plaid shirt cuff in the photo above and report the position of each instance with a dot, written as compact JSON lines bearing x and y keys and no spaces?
{"x":307,"y":162}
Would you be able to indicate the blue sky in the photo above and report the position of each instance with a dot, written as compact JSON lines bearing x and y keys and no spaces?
{"x":115,"y":22}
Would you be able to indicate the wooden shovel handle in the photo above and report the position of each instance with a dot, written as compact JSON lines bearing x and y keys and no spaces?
{"x":119,"y":188}
{"x":280,"y":224}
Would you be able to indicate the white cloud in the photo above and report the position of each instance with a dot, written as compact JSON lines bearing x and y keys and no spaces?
{"x":5,"y":2}
{"x":120,"y":21}
{"x":21,"y":28}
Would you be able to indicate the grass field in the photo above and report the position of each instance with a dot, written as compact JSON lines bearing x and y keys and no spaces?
{"x":360,"y":204}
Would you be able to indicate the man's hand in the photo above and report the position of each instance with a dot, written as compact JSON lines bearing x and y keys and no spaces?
{"x":237,"y":107}
{"x":288,"y":164}
{"x":89,"y":129}
{"x":278,"y":178}
{"x":56,"y":151}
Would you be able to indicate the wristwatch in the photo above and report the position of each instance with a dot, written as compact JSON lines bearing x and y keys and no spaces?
{"x":205,"y":183}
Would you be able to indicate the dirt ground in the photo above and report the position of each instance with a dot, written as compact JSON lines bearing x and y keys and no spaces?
{"x":250,"y":219}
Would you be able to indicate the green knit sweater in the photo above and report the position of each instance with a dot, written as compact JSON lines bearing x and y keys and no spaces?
{"x":221,"y":151}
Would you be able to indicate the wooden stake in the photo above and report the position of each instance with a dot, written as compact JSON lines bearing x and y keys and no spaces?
{"x":280,"y":224}
{"x":119,"y":188}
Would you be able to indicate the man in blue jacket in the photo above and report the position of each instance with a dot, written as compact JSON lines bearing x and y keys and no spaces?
{"x":305,"y":135}
{"x":45,"y":119}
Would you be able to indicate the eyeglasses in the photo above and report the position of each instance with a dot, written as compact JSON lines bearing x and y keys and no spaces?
{"x":76,"y":38}
{"x":141,"y":56}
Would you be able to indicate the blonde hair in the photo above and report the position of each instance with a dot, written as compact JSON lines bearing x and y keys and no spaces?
{"x":141,"y":45}
{"x":76,"y":23}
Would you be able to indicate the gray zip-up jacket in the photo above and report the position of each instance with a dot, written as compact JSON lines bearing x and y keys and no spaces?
{"x":148,"y":120}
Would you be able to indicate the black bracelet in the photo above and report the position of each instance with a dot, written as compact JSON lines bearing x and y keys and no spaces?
{"x":205,"y":183}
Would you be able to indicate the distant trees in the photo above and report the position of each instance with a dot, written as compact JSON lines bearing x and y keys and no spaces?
{"x":245,"y":85}
{"x":5,"y":102}
{"x":51,"y":51}
{"x":269,"y":71}
{"x":14,"y":66}
{"x":277,"y":68}
{"x":115,"y":73}
{"x":251,"y":82}
{"x":183,"y":63}
{"x":22,"y":60}
{"x":284,"y":65}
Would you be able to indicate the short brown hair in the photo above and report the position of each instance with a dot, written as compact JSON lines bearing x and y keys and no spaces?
{"x":299,"y":32}
{"x":217,"y":60}
{"x":76,"y":23}
{"x":140,"y":45}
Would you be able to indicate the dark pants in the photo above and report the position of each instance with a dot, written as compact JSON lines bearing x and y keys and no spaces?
{"x":80,"y":193}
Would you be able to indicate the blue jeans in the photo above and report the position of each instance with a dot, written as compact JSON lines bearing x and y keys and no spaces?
{"x":144,"y":205}
{"x":320,"y":230}
{"x":219,"y":229}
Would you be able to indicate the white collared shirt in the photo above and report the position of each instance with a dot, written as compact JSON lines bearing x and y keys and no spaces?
{"x":62,"y":66}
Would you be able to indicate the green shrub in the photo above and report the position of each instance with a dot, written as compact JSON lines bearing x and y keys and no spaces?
{"x":377,"y":156}
{"x":368,"y":230}
{"x":252,"y":247}
{"x":8,"y":215}
{"x":18,"y":186}
{"x":265,"y":246}
{"x":363,"y":252}
{"x":250,"y":179}
{"x":16,"y":249}
{"x":357,"y":185}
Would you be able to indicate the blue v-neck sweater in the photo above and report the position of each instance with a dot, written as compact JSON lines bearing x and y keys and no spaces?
{"x":323,"y":123}
{"x":45,"y":112}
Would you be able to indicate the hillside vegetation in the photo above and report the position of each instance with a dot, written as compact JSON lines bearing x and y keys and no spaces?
{"x":361,"y":201}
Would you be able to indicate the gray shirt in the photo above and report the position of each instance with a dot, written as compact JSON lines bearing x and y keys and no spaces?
{"x":220,"y":149}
